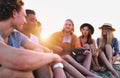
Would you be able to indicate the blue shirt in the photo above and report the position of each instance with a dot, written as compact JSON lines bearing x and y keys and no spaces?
{"x":114,"y":45}
{"x":17,"y":39}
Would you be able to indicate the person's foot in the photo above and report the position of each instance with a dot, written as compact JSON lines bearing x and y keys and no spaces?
{"x":102,"y":68}
{"x":95,"y":68}
{"x":98,"y":68}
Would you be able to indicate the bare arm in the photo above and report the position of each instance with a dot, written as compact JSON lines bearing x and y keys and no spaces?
{"x":33,"y":46}
{"x":21,"y":59}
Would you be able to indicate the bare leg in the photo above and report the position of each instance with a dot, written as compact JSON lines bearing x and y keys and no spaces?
{"x":95,"y":64}
{"x":68,"y":75}
{"x":71,"y":70}
{"x":96,"y":61}
{"x":44,"y":72}
{"x":58,"y":73}
{"x":78,"y":66}
{"x":87,"y":61}
{"x":107,"y":63}
{"x":109,"y":52}
{"x":95,"y":53}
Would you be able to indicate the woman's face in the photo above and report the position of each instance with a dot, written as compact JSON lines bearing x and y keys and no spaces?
{"x":85,"y":31}
{"x":68,"y":26}
{"x":104,"y":31}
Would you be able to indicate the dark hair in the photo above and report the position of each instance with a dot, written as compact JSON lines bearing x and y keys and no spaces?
{"x":89,"y":37}
{"x":29,"y":11}
{"x":8,"y":6}
{"x":38,"y":23}
{"x":90,"y":27}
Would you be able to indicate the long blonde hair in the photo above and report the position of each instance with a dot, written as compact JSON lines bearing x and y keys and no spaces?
{"x":106,"y":40}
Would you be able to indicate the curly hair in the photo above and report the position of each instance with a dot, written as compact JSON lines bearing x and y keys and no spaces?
{"x":8,"y":6}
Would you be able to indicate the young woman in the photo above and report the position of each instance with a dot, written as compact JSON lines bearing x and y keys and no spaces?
{"x":86,"y":41}
{"x":108,"y":45}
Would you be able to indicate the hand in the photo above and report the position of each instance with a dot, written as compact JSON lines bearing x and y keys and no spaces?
{"x":57,"y":58}
{"x":86,"y":52}
{"x":47,"y":50}
{"x":58,"y":49}
{"x":113,"y":59}
{"x":86,"y":46}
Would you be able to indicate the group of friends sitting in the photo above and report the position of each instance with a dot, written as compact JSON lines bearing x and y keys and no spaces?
{"x":62,"y":55}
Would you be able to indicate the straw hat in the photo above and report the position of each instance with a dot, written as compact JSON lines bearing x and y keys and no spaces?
{"x":107,"y":25}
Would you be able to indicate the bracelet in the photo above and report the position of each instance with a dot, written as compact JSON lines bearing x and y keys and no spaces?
{"x":58,"y":65}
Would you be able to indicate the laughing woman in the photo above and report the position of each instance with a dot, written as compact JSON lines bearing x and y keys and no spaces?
{"x":108,"y":43}
{"x":86,"y":41}
{"x":109,"y":46}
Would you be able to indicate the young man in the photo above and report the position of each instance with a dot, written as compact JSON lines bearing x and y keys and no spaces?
{"x":18,"y":62}
{"x":29,"y":27}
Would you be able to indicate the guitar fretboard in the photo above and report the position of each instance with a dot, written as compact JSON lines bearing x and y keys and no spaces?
{"x":76,"y":50}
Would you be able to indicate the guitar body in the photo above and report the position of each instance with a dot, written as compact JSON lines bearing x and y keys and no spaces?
{"x":65,"y":45}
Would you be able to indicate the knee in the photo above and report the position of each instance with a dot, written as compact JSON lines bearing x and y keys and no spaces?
{"x":90,"y":54}
{"x":108,"y":46}
{"x":66,"y":57}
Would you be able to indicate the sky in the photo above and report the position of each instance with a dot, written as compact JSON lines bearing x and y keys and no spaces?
{"x":53,"y":13}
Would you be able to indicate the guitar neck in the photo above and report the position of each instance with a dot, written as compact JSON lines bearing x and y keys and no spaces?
{"x":76,"y":50}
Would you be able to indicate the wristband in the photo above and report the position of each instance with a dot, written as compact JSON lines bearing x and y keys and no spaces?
{"x":58,"y":65}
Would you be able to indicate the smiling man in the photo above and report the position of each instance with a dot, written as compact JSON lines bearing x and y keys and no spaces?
{"x":18,"y":63}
